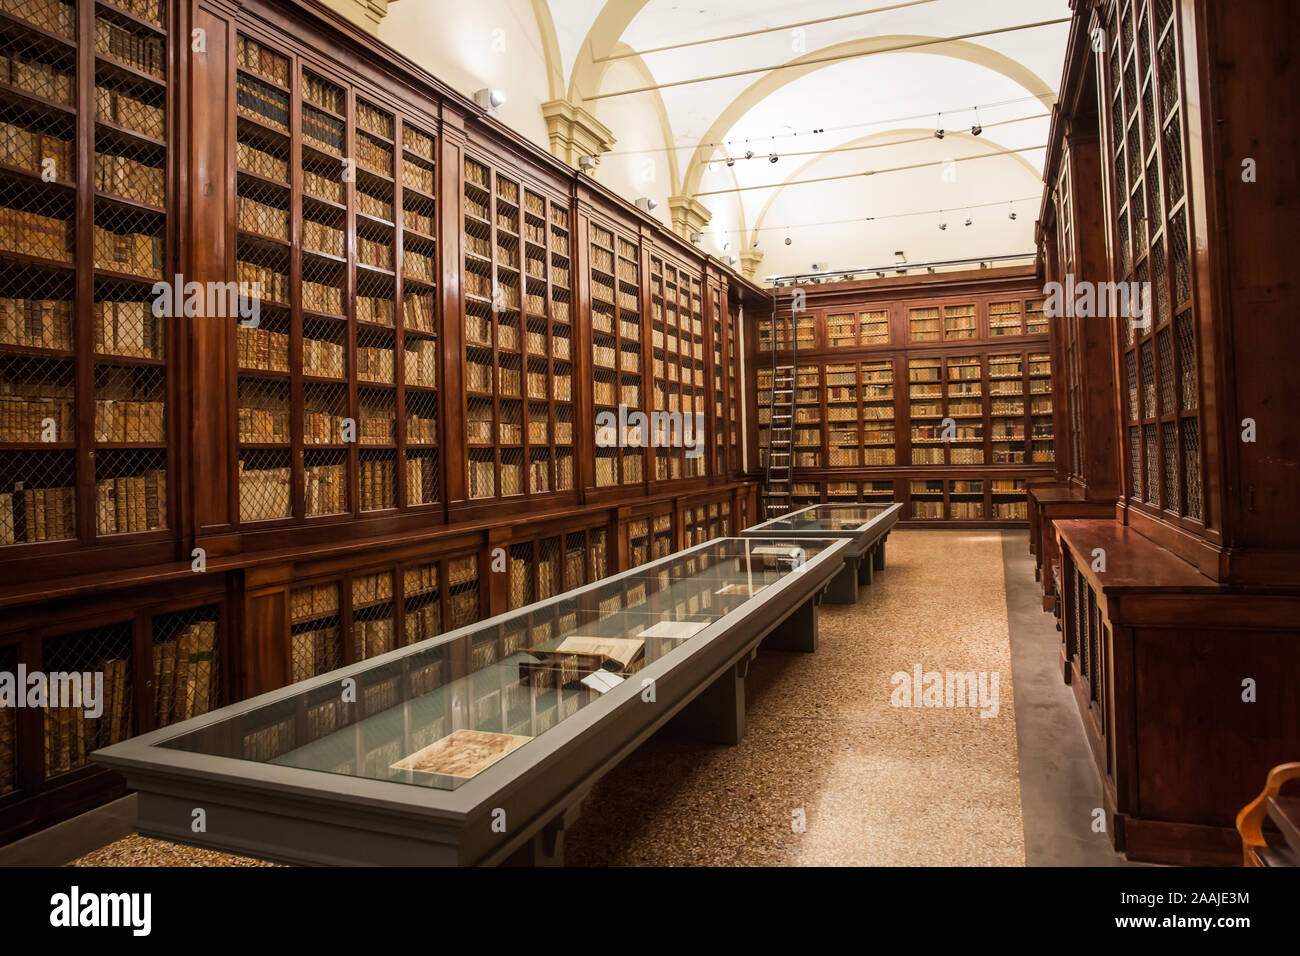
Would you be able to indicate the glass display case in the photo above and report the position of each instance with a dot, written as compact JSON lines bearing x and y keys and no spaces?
{"x":864,"y":526}
{"x":474,"y":746}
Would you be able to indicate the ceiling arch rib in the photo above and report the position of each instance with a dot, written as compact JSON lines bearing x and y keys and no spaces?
{"x":883,"y":138}
{"x":763,"y":87}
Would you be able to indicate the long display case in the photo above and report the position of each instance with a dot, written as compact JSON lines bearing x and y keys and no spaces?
{"x":516,"y":715}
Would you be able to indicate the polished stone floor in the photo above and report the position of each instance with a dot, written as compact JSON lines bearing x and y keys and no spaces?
{"x":833,"y":770}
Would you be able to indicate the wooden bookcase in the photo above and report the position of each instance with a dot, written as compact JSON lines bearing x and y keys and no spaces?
{"x":1196,"y":522}
{"x":936,"y":389}
{"x":262,"y":487}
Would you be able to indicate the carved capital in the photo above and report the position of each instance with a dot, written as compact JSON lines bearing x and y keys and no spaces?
{"x":689,"y":215}
{"x":574,"y":132}
{"x":749,"y":260}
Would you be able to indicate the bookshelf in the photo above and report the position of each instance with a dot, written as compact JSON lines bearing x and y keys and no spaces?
{"x":326,"y":414}
{"x":677,"y":370}
{"x":616,"y":353}
{"x":969,"y":401}
{"x":808,"y":416}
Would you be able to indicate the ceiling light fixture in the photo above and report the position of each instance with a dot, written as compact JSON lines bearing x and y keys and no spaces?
{"x":977,"y":128}
{"x":755,"y":245}
{"x":731,"y":160}
{"x":646,"y":204}
{"x":969,"y":220}
{"x":586,"y":163}
{"x":772,"y":157}
{"x":749,"y":154}
{"x":938,"y":127}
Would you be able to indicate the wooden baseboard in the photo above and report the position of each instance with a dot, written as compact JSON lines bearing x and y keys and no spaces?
{"x":1180,"y":844}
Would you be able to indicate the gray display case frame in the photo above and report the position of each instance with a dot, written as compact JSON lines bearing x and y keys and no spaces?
{"x":862,"y":558}
{"x":515,"y":810}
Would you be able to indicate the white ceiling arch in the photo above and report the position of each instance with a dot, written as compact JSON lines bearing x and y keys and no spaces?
{"x":670,"y":45}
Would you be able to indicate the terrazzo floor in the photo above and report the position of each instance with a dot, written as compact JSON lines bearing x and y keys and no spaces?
{"x":829,"y":772}
{"x":874,"y":784}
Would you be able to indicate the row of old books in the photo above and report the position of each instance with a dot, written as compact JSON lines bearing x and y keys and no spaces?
{"x":378,"y":425}
{"x":325,"y":489}
{"x":418,"y":143}
{"x":263,"y":219}
{"x":47,"y":514}
{"x":36,"y":77}
{"x":114,"y":106}
{"x":263,"y":349}
{"x":319,"y":237}
{"x":313,"y":601}
{"x":53,"y":15}
{"x":482,"y":478}
{"x":539,"y":475}
{"x":374,"y":206}
{"x":378,"y":484}
{"x":263,"y":163}
{"x":322,"y":93}
{"x":264,"y":426}
{"x":32,"y":234}
{"x":322,"y":427}
{"x":317,"y":297}
{"x":322,"y":131}
{"x":322,"y":359}
{"x":416,"y":176}
{"x":374,"y":156}
{"x":416,"y":265}
{"x":185,"y":674}
{"x":134,"y":253}
{"x":35,"y":152}
{"x":322,"y":187}
{"x":36,"y":418}
{"x":261,"y":101}
{"x":420,"y":367}
{"x":421,"y":431}
{"x":421,"y":480}
{"x":374,"y":637}
{"x":251,"y":55}
{"x":263,"y":493}
{"x":129,"y":178}
{"x":417,"y":221}
{"x":369,"y":588}
{"x":375,"y":365}
{"x":268,"y":285}
{"x":371,"y":252}
{"x":132,"y":503}
{"x":36,"y":323}
{"x":424,"y":622}
{"x":374,"y":121}
{"x":374,"y":309}
{"x":70,"y":736}
{"x":146,"y":53}
{"x":126,"y":420}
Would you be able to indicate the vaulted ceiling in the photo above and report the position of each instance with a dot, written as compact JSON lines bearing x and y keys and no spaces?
{"x":846,"y":95}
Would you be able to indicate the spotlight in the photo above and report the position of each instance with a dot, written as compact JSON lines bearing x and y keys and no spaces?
{"x":586,"y":162}
{"x":726,"y":246}
{"x":646,"y":204}
{"x":969,"y":220}
{"x":749,"y":154}
{"x":1011,"y":215}
{"x":976,"y":129}
{"x":731,"y":161}
{"x":788,"y":240}
{"x":772,"y":157}
{"x":697,"y":237}
{"x":489,"y":99}
{"x":938,"y":134}
{"x":816,"y":267}
{"x":755,"y":245}
{"x":943,"y":226}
